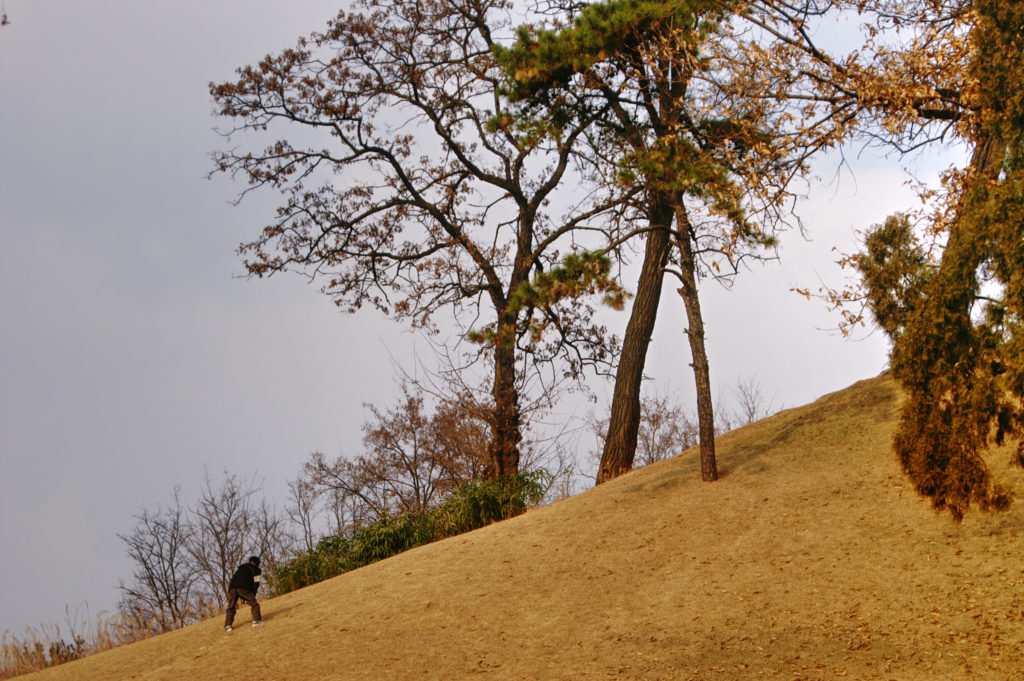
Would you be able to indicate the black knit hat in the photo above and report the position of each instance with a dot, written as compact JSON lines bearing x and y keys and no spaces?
{"x":255,"y":560}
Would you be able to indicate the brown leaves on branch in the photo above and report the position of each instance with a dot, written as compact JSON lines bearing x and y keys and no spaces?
{"x":413,"y":458}
{"x":949,"y":296}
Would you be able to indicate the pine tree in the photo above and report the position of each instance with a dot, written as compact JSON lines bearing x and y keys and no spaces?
{"x":961,"y":355}
{"x":701,"y":121}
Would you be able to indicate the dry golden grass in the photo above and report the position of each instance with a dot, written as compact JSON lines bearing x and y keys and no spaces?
{"x":810,"y":559}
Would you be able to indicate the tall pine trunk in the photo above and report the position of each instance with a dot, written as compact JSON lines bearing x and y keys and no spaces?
{"x":503,"y":451}
{"x":695,"y":332}
{"x":624,"y":421}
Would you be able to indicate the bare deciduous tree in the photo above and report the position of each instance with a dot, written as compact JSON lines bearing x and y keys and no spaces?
{"x":166,"y":586}
{"x":664,"y":430}
{"x":304,"y":498}
{"x":224,"y":521}
{"x":412,"y":458}
{"x":667,"y":429}
{"x":269,"y":536}
{"x":752,"y":403}
{"x":185,"y":556}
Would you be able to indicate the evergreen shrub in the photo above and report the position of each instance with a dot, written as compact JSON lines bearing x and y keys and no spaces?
{"x":471,"y":506}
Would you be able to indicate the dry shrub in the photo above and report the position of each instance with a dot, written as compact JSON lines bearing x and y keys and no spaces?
{"x":51,"y":644}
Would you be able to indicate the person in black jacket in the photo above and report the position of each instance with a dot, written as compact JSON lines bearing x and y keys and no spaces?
{"x":243,"y":586}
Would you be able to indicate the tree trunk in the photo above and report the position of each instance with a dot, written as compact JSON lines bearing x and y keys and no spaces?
{"x":624,"y":421}
{"x":503,"y":452}
{"x":695,"y":332}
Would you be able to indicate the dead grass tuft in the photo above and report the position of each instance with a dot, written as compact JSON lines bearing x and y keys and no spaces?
{"x":51,"y":644}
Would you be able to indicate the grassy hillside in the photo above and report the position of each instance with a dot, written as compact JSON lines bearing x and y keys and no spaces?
{"x":810,"y":559}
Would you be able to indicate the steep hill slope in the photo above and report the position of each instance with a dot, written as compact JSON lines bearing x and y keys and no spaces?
{"x":810,"y":559}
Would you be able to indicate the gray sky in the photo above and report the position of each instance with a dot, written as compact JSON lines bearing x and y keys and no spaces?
{"x":132,"y":356}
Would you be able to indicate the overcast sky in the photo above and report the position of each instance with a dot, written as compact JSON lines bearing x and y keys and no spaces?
{"x":133,"y":356}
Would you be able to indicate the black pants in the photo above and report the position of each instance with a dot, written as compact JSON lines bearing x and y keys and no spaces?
{"x":246,"y":596}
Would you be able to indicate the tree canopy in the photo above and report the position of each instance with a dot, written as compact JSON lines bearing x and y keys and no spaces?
{"x":409,"y":186}
{"x":709,"y":116}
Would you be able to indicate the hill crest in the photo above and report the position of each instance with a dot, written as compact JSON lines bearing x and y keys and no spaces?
{"x":810,"y":558}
